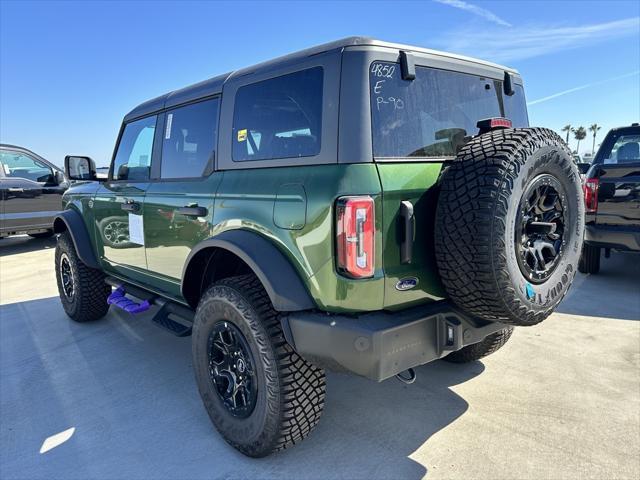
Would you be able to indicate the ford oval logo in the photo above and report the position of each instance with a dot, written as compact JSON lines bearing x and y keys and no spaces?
{"x":406,"y":283}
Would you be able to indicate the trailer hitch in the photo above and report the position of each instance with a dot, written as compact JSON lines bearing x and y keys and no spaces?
{"x":407,"y":380}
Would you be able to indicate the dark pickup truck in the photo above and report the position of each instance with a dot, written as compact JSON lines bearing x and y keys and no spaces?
{"x":612,"y":198}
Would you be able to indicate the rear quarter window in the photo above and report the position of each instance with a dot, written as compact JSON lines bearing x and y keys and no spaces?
{"x":279,"y":118}
{"x":431,"y":115}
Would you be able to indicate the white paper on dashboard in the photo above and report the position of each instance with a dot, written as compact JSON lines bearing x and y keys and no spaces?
{"x":136,"y":229}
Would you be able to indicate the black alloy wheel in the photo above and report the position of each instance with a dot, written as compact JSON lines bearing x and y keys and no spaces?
{"x":66,"y":277}
{"x":540,"y":226}
{"x":232,"y":369}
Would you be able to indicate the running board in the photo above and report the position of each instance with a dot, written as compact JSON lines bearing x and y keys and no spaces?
{"x":171,"y":316}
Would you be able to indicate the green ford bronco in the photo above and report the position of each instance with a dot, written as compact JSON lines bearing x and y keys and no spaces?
{"x":360,"y":206}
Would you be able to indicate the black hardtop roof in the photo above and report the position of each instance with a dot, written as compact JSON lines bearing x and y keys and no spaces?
{"x":634,"y":127}
{"x":214,"y":85}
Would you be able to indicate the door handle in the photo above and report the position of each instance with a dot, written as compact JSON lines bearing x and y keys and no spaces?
{"x":130,"y":206}
{"x":193,"y":211}
{"x":16,"y":190}
{"x":407,"y":231}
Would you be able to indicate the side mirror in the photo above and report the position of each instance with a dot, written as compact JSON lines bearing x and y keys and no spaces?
{"x":584,"y":167}
{"x":79,"y":168}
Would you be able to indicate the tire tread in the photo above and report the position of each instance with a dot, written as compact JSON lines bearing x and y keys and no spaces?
{"x":470,"y":243}
{"x":302,"y":386}
{"x":91,"y":289}
{"x":476,"y":351}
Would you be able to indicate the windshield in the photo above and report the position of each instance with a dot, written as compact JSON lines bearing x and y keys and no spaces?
{"x":431,"y":115}
{"x":620,"y":147}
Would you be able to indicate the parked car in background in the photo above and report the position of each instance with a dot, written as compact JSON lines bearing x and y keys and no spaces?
{"x":612,"y":198}
{"x":31,"y":191}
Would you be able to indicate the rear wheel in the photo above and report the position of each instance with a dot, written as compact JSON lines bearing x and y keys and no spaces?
{"x":509,"y":225}
{"x":82,"y":290}
{"x":260,"y":394}
{"x":589,"y":259}
{"x":479,"y":350}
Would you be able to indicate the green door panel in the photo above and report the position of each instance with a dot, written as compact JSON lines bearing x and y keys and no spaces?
{"x":246,"y":199}
{"x":169,"y":235}
{"x":414,"y":182}
{"x":111,"y":224}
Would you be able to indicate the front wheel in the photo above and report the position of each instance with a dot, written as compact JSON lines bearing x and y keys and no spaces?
{"x":82,"y":289}
{"x":259,"y":393}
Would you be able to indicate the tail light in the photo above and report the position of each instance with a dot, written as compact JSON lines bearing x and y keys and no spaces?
{"x":591,"y":195}
{"x":355,"y":231}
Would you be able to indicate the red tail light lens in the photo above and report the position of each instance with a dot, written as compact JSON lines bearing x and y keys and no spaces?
{"x":591,"y":195}
{"x":355,"y":231}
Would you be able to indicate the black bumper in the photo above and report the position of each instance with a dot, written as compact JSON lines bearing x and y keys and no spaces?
{"x":380,"y":345}
{"x":617,"y":237}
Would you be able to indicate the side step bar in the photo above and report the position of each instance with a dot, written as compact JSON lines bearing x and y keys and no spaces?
{"x":171,"y":316}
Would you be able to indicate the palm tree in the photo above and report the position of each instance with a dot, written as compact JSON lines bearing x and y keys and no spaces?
{"x":567,"y":128}
{"x":594,"y":129}
{"x":579,"y":134}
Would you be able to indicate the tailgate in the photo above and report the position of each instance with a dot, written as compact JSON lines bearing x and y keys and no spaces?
{"x":413,"y":182}
{"x":619,"y":195}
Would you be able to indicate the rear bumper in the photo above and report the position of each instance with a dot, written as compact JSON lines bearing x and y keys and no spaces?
{"x":379,"y":345}
{"x":618,"y":237}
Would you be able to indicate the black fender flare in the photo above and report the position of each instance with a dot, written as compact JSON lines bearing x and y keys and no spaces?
{"x":279,"y":278}
{"x":71,"y":221}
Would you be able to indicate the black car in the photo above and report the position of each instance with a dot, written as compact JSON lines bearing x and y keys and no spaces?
{"x":31,"y":191}
{"x":612,"y":198}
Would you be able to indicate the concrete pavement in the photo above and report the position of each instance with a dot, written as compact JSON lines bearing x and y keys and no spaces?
{"x":560,"y":400}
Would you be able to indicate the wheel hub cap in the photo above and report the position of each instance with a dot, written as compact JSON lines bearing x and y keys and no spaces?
{"x":231,"y":369}
{"x":540,"y":228}
{"x":66,"y":276}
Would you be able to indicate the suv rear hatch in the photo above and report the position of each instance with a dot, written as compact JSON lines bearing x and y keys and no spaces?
{"x":417,"y":126}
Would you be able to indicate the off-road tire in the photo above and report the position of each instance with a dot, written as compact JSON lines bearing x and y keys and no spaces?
{"x":290,"y":391}
{"x":479,"y":350}
{"x":47,"y":234}
{"x":589,"y":259}
{"x":475,"y":230}
{"x":89,"y":300}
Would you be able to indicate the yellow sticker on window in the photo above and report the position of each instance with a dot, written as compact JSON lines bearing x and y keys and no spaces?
{"x":242,"y":135}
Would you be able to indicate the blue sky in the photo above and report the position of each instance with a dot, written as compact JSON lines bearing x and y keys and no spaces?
{"x":69,"y":71}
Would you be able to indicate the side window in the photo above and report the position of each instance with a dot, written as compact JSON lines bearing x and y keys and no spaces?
{"x":133,"y":158}
{"x":19,"y":165}
{"x":189,"y":141}
{"x":279,"y":118}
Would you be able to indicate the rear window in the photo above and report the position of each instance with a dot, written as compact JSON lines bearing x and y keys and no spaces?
{"x":620,"y":148}
{"x":279,"y":118}
{"x":431,"y":115}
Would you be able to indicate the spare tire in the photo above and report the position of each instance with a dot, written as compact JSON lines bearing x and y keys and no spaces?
{"x":509,"y":225}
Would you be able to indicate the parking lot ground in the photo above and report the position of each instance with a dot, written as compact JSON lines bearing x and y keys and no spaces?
{"x":560,"y":400}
